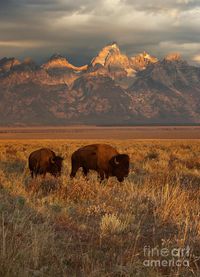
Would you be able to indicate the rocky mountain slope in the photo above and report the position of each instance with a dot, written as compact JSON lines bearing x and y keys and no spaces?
{"x":112,"y":89}
{"x":168,"y":91}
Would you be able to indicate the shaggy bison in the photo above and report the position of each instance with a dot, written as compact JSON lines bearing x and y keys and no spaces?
{"x":44,"y":160}
{"x":102,"y":158}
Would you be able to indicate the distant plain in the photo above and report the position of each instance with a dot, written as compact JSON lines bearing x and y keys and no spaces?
{"x":94,"y":132}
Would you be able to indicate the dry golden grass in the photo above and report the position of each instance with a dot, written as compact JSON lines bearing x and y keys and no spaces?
{"x":79,"y":227}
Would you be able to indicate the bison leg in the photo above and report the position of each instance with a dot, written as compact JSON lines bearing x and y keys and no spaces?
{"x":101,"y":174}
{"x":73,"y":174}
{"x":74,"y":170}
{"x":75,"y":166}
{"x":32,"y":174}
{"x":107,"y":175}
{"x":85,"y":171}
{"x":37,"y":172}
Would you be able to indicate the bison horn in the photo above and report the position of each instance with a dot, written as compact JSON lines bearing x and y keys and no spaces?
{"x":115,"y":161}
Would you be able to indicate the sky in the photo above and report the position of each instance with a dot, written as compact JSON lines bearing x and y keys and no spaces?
{"x":78,"y":29}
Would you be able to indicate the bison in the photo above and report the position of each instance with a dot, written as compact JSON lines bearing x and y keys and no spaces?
{"x":45,"y":160}
{"x":102,"y":158}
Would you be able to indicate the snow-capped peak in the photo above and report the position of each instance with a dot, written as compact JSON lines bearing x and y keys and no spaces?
{"x":107,"y":51}
{"x":59,"y":61}
{"x":141,"y":60}
{"x":173,"y":57}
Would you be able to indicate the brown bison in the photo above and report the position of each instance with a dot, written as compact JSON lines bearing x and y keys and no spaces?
{"x":102,"y":158}
{"x":44,"y":160}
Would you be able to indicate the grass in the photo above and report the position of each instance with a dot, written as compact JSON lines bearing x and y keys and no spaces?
{"x":81,"y":227}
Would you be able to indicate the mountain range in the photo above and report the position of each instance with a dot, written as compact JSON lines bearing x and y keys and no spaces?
{"x":113,"y":89}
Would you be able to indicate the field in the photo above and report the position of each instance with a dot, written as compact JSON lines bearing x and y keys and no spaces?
{"x":81,"y":227}
{"x":100,"y":132}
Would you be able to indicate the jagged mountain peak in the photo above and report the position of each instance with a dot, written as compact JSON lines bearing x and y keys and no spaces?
{"x":105,"y":53}
{"x":115,"y":88}
{"x":56,"y":61}
{"x":111,"y":59}
{"x":147,"y":56}
{"x":59,"y":61}
{"x":57,"y":56}
{"x":7,"y":64}
{"x":6,"y":60}
{"x":141,"y":60}
{"x":173,"y":57}
{"x":113,"y":45}
{"x":27,"y":65}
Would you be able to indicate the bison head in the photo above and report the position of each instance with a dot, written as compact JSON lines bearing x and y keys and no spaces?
{"x":56,"y":165}
{"x":120,"y":166}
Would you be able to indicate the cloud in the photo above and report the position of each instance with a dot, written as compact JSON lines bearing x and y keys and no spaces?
{"x":196,"y":58}
{"x":19,"y":44}
{"x":80,"y":28}
{"x":160,"y":6}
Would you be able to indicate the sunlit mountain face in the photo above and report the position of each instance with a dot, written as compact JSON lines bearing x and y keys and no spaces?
{"x":111,"y":89}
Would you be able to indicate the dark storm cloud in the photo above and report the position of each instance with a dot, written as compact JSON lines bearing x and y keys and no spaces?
{"x":80,"y":28}
{"x":45,"y":6}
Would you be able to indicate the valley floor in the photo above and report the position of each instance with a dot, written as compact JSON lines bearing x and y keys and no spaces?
{"x":97,"y":132}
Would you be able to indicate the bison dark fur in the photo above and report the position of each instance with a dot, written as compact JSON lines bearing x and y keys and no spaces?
{"x":44,"y":160}
{"x":102,"y":158}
